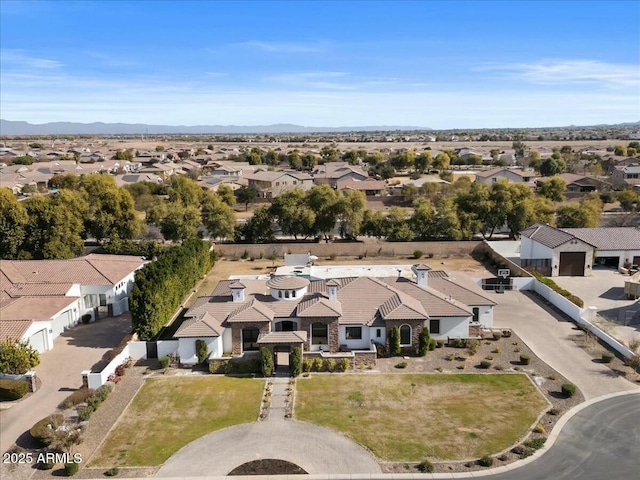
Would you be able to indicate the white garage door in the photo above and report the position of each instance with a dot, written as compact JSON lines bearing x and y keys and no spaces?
{"x":38,"y":340}
{"x":61,"y":322}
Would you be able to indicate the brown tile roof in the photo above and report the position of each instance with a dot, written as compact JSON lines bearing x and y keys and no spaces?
{"x":547,"y":235}
{"x":13,"y":329}
{"x":297,"y":336}
{"x":204,"y":326}
{"x":402,"y":307}
{"x":251,"y":311}
{"x":287,"y":283}
{"x":39,"y":289}
{"x":35,"y":308}
{"x":461,"y":289}
{"x":435,"y":303}
{"x":608,"y":238}
{"x":319,"y":306}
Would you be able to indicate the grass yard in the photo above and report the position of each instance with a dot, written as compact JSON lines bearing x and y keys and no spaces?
{"x":169,"y":413}
{"x":411,"y":417}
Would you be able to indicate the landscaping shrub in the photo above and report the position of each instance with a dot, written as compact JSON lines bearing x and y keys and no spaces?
{"x":451,"y":357}
{"x":554,"y":411}
{"x":485,"y":364}
{"x":486,"y":461}
{"x":343,"y":365}
{"x":76,"y":398}
{"x":86,"y":318}
{"x":525,"y":359}
{"x":329,"y":364}
{"x":472,"y":346}
{"x":539,"y":428}
{"x":296,"y":362}
{"x":45,"y":465}
{"x":423,"y":342}
{"x":266,"y":361}
{"x":607,"y":357}
{"x":13,"y":389}
{"x":440,"y":343}
{"x":568,"y":389}
{"x":218,"y":366}
{"x":71,"y":468}
{"x":164,"y":362}
{"x":17,"y":358}
{"x":307,"y":364}
{"x":317,"y":365}
{"x":497,"y":335}
{"x":536,"y":443}
{"x":394,"y":342}
{"x":432,"y":344}
{"x":112,"y":472}
{"x":202,"y":350}
{"x":40,"y":431}
{"x":84,"y":413}
{"x":417,"y":254}
{"x":103,"y":392}
{"x":425,"y":467}
{"x":553,"y":286}
{"x":401,"y":365}
{"x":94,"y":402}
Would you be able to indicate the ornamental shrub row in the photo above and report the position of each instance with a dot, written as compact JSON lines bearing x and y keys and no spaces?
{"x":160,"y":286}
{"x":554,"y":286}
{"x":13,"y":389}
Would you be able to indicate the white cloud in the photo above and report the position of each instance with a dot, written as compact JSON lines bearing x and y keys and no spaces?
{"x":314,"y":80}
{"x":21,"y":59}
{"x":562,"y":72}
{"x":280,"y":47}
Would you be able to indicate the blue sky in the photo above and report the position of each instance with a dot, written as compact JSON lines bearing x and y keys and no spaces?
{"x":438,"y":64}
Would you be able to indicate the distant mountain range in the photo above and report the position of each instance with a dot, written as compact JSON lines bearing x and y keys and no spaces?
{"x":8,"y":127}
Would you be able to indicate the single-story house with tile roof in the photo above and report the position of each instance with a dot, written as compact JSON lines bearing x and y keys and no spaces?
{"x":39,"y":299}
{"x":579,"y":183}
{"x":333,"y":315}
{"x":573,"y":251}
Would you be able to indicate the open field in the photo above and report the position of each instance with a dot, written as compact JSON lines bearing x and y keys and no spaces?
{"x":413,"y":417}
{"x":169,"y":413}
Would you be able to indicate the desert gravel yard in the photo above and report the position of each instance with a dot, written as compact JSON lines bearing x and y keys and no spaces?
{"x":410,"y":417}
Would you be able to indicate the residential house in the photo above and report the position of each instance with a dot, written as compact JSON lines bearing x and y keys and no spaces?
{"x":625,"y":177}
{"x":579,"y":183}
{"x":574,"y":251}
{"x":271,"y":184}
{"x":333,"y":172}
{"x":370,"y":187}
{"x":333,"y":315}
{"x":512,"y":175}
{"x":39,"y":299}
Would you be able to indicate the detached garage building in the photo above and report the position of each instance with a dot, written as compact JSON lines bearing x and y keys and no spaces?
{"x":573,"y":251}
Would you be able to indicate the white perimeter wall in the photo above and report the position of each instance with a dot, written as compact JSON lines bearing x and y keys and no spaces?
{"x":187,"y":348}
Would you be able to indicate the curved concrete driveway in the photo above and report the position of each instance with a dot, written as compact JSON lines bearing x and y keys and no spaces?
{"x":315,"y":449}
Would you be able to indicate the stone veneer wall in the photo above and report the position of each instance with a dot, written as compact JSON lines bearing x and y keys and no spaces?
{"x":416,"y":328}
{"x":333,"y":331}
{"x":236,"y":333}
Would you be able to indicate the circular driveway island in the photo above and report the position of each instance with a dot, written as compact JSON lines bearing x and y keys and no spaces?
{"x":315,"y":449}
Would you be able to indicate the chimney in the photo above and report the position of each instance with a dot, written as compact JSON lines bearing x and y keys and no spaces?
{"x":332,"y":287}
{"x":422,"y":274}
{"x":237,"y":291}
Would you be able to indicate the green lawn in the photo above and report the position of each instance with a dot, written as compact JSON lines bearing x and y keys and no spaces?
{"x":168,"y":413}
{"x":417,"y":416}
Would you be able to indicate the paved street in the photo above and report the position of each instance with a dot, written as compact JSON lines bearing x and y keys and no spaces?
{"x":547,"y":334}
{"x":75,"y":350}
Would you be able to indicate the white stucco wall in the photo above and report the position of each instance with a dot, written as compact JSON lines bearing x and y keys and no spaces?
{"x":373,"y":335}
{"x":35,"y":327}
{"x":623,"y":255}
{"x":187,"y":348}
{"x":362,"y":343}
{"x":452,"y":327}
{"x":227,"y":344}
{"x":573,"y":246}
{"x":485,"y":315}
{"x":534,"y":250}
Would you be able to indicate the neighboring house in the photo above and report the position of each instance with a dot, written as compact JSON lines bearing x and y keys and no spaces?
{"x":334,"y":172}
{"x":511,"y":175}
{"x":131,"y":178}
{"x":39,"y":299}
{"x":625,"y":177}
{"x":370,"y":187}
{"x":212,"y":182}
{"x":573,"y":251}
{"x":271,"y":184}
{"x":333,"y":315}
{"x":579,"y":183}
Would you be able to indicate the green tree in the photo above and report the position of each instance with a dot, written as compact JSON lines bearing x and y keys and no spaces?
{"x":254,"y":156}
{"x":246,"y":195}
{"x":267,"y":361}
{"x":423,"y":342}
{"x":13,"y":220}
{"x":374,"y":159}
{"x":258,"y":229}
{"x":69,"y":181}
{"x":176,"y":220}
{"x":325,"y":202}
{"x":124,"y":155}
{"x":292,"y":214}
{"x":447,"y":222}
{"x":218,"y":218}
{"x":423,"y":161}
{"x":409,"y":191}
{"x":397,"y":225}
{"x":351,"y":213}
{"x":620,"y":150}
{"x":295,"y":161}
{"x":185,"y":191}
{"x":629,"y":200}
{"x":296,"y":362}
{"x":373,"y":224}
{"x":23,"y":160}
{"x":271,"y":158}
{"x":329,"y":153}
{"x":202,"y":350}
{"x":394,"y":342}
{"x":586,"y":214}
{"x":442,"y":161}
{"x":403,"y":160}
{"x":226,"y":195}
{"x":520,"y":149}
{"x":17,"y":358}
{"x":632,"y":152}
{"x":111,"y":209}
{"x":552,"y":166}
{"x":423,"y":218}
{"x":159,"y":148}
{"x":309,"y":160}
{"x":553,"y":189}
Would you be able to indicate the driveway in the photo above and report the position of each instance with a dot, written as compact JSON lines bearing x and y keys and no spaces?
{"x":605,"y":289}
{"x":548,"y":334}
{"x":315,"y":449}
{"x":77,"y":349}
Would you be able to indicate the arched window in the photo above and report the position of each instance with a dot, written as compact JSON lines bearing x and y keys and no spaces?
{"x":405,"y":335}
{"x":319,"y":334}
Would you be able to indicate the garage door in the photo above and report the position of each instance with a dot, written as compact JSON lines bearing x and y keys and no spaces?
{"x":61,"y":322}
{"x":636,"y":260}
{"x":38,"y":341}
{"x":572,"y":264}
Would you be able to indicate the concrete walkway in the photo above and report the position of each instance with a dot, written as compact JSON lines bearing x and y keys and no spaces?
{"x":279,"y":393}
{"x":75,"y":350}
{"x":548,"y":334}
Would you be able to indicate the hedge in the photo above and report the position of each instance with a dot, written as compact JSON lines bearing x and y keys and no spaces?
{"x":565,"y":293}
{"x":161,"y":286}
{"x":13,"y":389}
{"x":40,"y":430}
{"x":568,"y":389}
